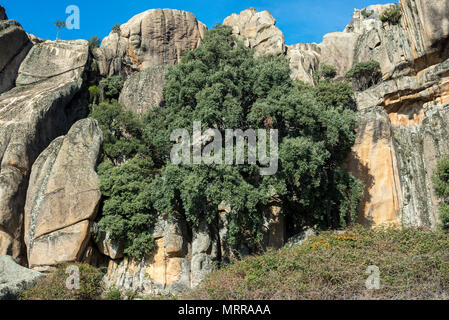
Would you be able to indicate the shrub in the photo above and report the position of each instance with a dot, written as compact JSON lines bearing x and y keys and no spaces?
{"x":125,"y":177}
{"x":112,"y":86}
{"x":392,"y":15}
{"x":224,"y":86}
{"x":367,"y":13}
{"x":413,"y":264}
{"x":116,"y":28}
{"x":441,"y":185}
{"x":364,"y":75}
{"x":53,"y":286}
{"x":94,"y":42}
{"x":94,"y":95}
{"x":328,"y":72}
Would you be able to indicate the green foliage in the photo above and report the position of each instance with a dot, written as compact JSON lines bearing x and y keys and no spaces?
{"x":224,"y":86}
{"x":328,"y":72}
{"x":112,"y":86}
{"x":116,"y":28}
{"x":53,"y":286}
{"x":122,"y":131}
{"x":113,"y":294}
{"x":94,"y":95}
{"x":60,"y":25}
{"x":413,"y":265}
{"x":367,"y":13}
{"x":364,"y":75}
{"x":94,"y":42}
{"x":125,"y":178}
{"x":392,"y":15}
{"x":441,"y":185}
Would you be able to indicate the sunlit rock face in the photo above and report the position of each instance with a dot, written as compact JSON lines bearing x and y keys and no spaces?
{"x":154,"y":37}
{"x":63,"y":197}
{"x":43,"y":105}
{"x":258,"y":31}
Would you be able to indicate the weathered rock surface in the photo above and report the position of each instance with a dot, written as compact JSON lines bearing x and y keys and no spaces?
{"x":304,"y":61}
{"x":63,"y":197}
{"x":154,"y":37}
{"x":42,"y":107}
{"x":257,"y":30}
{"x":167,"y":269}
{"x":14,"y":278}
{"x":112,"y":249}
{"x":144,"y":90}
{"x":15,"y":45}
{"x":402,"y":134}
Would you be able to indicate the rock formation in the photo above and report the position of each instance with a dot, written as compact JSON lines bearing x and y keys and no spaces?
{"x":257,"y":30}
{"x":144,"y":90}
{"x":42,"y":107}
{"x":63,"y":197}
{"x":49,"y":194}
{"x":15,"y":45}
{"x":14,"y":278}
{"x":154,"y":37}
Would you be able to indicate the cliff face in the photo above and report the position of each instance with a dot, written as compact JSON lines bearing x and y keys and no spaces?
{"x":47,"y":211}
{"x":154,"y":37}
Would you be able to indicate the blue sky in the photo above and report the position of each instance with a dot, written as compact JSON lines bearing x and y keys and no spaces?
{"x":299,"y":20}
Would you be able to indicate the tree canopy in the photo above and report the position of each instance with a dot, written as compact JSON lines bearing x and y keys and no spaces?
{"x":224,"y":86}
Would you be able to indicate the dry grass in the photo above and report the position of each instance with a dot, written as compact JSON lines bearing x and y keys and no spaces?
{"x":413,"y":264}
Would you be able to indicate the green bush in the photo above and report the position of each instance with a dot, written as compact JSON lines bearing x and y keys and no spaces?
{"x":224,"y":86}
{"x":328,"y":72}
{"x":413,"y":264}
{"x":94,"y":42}
{"x":367,"y":13}
{"x":94,"y":95}
{"x":125,"y":177}
{"x":112,"y":86}
{"x":441,"y":185}
{"x":53,"y":286}
{"x":364,"y":75}
{"x":392,"y":15}
{"x":116,"y":28}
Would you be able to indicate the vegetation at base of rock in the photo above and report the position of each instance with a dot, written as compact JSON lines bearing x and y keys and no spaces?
{"x":364,"y":75}
{"x":94,"y":42}
{"x":413,"y":264}
{"x":53,"y":286}
{"x":224,"y":86}
{"x":112,"y":86}
{"x":392,"y":15}
{"x":94,"y":94}
{"x":328,"y":72}
{"x":441,"y":184}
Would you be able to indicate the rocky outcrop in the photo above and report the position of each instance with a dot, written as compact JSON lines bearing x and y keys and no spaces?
{"x":402,"y":134}
{"x":144,"y":90}
{"x":14,"y":278}
{"x":184,"y":256}
{"x":3,"y":15}
{"x":15,"y":45}
{"x":304,"y":61}
{"x":42,"y":107}
{"x":257,"y":30}
{"x":167,"y":269}
{"x":154,"y":37}
{"x":63,"y":197}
